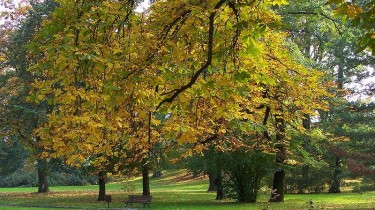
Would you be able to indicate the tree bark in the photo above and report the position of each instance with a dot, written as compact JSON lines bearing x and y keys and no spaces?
{"x":336,"y":180}
{"x":340,"y":78}
{"x":304,"y":182}
{"x":101,"y":176}
{"x":277,"y":194}
{"x":42,"y":176}
{"x":220,"y":195}
{"x":145,"y":180}
{"x":212,"y":185}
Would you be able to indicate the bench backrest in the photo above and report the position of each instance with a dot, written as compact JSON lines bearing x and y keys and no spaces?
{"x":140,"y":197}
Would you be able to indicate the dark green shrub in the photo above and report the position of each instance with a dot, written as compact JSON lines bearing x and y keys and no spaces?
{"x":244,"y":173}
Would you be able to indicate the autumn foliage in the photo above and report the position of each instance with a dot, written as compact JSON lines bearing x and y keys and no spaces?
{"x":209,"y":69}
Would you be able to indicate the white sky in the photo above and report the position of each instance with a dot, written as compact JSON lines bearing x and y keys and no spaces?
{"x":143,"y":6}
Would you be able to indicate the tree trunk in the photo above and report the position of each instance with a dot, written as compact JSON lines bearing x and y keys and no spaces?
{"x":340,"y":79}
{"x":101,"y":176}
{"x":277,"y":194}
{"x":220,"y":195}
{"x":211,"y":179}
{"x":336,"y":180}
{"x":42,"y":176}
{"x":145,"y":180}
{"x":304,"y":182}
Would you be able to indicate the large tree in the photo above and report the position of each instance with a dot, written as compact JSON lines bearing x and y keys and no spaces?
{"x":211,"y":67}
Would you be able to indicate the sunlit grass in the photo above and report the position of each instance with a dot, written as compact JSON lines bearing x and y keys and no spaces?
{"x":175,"y":190}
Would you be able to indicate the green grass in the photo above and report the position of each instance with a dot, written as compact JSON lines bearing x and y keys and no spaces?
{"x":171,"y":192}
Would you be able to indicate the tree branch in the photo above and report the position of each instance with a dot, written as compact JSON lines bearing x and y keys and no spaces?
{"x":316,"y":13}
{"x":176,"y":92}
{"x":162,"y":38}
{"x":211,"y":138}
{"x":265,"y":119}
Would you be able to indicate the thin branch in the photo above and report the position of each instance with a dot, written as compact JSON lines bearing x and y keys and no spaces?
{"x":282,"y":63}
{"x":265,"y":119}
{"x":162,"y":38}
{"x":211,"y":138}
{"x":232,"y":5}
{"x":316,"y":13}
{"x":205,"y":65}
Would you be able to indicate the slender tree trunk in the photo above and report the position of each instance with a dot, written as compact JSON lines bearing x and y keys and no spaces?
{"x":336,"y":180}
{"x":212,"y":185}
{"x":304,"y":182}
{"x":340,"y":79}
{"x":278,"y":189}
{"x":42,"y":176}
{"x":145,"y":175}
{"x":145,"y":180}
{"x":101,"y":176}
{"x":220,"y":195}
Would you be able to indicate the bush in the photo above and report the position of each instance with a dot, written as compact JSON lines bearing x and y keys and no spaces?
{"x":20,"y":178}
{"x":65,"y":179}
{"x":245,"y":172}
{"x":29,"y":178}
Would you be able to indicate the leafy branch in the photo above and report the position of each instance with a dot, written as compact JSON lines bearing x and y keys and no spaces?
{"x":211,"y":28}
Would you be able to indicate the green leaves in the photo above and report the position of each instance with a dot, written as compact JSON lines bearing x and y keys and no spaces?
{"x":242,"y":76}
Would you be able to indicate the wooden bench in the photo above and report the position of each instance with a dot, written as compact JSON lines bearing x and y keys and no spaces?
{"x":143,"y":199}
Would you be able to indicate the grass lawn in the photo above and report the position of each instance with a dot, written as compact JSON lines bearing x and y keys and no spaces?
{"x":171,"y":192}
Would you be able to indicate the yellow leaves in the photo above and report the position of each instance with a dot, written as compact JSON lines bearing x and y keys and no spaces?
{"x":183,"y":99}
{"x":107,"y":84}
{"x":185,"y":137}
{"x":348,"y":9}
{"x":224,"y":81}
{"x":339,"y":139}
{"x":222,"y":130}
{"x":292,"y":162}
{"x":278,"y":2}
{"x":155,"y":122}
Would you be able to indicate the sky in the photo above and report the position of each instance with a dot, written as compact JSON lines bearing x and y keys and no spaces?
{"x":143,"y":6}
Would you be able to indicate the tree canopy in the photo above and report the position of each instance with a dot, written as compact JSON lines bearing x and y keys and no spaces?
{"x":213,"y":68}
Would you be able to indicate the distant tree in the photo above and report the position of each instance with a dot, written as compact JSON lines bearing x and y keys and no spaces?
{"x":21,"y":117}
